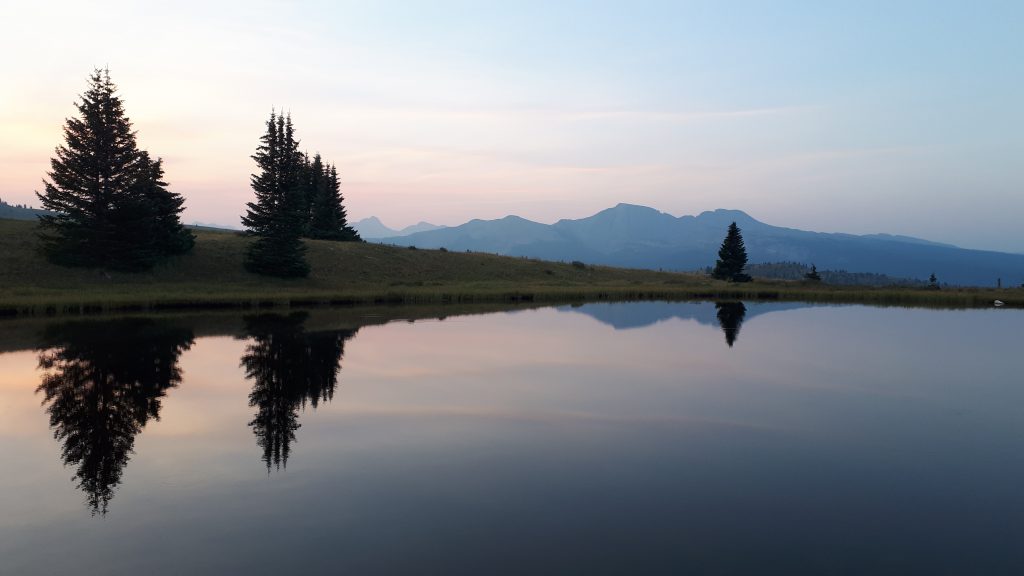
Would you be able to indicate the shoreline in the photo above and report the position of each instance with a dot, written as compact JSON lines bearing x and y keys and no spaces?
{"x":53,"y":305}
{"x":212,"y":277}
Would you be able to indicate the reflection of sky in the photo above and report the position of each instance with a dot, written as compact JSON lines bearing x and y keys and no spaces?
{"x":810,"y":117}
{"x":450,"y":442}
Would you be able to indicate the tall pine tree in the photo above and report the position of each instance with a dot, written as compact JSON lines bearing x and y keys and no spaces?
{"x":111,"y":206}
{"x":278,"y":216}
{"x":732,"y":257}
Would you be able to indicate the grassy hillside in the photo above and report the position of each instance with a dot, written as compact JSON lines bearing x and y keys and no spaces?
{"x":17,"y":212}
{"x":357,"y":273}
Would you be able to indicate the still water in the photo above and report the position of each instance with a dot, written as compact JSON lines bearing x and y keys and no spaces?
{"x":635,"y":438}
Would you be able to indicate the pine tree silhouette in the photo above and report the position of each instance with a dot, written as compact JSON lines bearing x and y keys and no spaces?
{"x":278,"y":216}
{"x":110,"y":205}
{"x":732,"y":257}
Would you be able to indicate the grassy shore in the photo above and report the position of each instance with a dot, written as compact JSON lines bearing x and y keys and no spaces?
{"x":211,"y":276}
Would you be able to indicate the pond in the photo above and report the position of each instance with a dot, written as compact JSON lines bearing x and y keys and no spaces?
{"x":606,"y":438}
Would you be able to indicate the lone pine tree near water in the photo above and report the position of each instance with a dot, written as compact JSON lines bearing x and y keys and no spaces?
{"x":732,"y":257}
{"x":111,"y":206}
{"x":295,"y":197}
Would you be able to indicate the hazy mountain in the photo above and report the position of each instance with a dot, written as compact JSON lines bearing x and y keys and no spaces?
{"x":212,"y":226}
{"x":372,"y":227}
{"x":641,"y":237}
{"x":419,"y":227}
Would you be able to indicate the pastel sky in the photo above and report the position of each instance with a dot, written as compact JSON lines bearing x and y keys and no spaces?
{"x":902,"y":117}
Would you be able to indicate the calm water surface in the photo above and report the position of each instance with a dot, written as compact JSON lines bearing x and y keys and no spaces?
{"x":646,"y":438}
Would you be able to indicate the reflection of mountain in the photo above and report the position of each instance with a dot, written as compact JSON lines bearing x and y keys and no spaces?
{"x":289,"y":367}
{"x":626,"y":315}
{"x":730,"y":317}
{"x":104,"y":381}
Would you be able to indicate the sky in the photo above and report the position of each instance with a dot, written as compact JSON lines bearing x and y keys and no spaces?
{"x":861,"y":117}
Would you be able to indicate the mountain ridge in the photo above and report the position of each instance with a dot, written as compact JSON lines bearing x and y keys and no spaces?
{"x":371,"y":227}
{"x":635,"y":236}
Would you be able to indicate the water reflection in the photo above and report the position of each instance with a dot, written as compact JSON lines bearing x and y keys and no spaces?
{"x":730,"y":317}
{"x":104,"y":381}
{"x":460,"y":437}
{"x":289,"y":367}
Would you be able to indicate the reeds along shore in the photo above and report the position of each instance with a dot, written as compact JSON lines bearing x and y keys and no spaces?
{"x":212,"y":276}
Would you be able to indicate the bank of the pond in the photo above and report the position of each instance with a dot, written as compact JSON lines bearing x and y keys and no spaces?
{"x":212,"y":276}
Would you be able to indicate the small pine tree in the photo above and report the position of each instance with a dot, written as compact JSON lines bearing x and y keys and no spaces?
{"x":732,"y":257}
{"x":334,"y":185}
{"x":314,"y":183}
{"x":329,"y":218}
{"x":109,"y":204}
{"x":167,"y":232}
{"x":813,"y":275}
{"x":149,"y":220}
{"x":277,"y":218}
{"x":933,"y":282}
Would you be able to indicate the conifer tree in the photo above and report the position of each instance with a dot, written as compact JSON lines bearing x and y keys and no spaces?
{"x":329,"y":219}
{"x":732,"y":257}
{"x":148,"y":220}
{"x":260,"y":214}
{"x":169,"y":235}
{"x":347,"y":232}
{"x":315,"y":180}
{"x":111,"y":207}
{"x":277,"y":217}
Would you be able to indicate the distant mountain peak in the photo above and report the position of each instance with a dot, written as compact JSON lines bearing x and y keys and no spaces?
{"x":726,"y":213}
{"x":622,"y":206}
{"x":372,"y":227}
{"x":726,"y":216}
{"x":621,"y":211}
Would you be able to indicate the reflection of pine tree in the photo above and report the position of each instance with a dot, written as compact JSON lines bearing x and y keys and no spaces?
{"x":289,"y":367}
{"x":730,"y":317}
{"x":324,"y":363}
{"x":104,"y":381}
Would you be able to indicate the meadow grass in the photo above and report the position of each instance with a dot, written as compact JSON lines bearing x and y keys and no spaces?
{"x":212,"y":276}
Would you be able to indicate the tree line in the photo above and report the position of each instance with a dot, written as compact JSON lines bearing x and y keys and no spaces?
{"x":800,"y":271}
{"x":110,"y":207}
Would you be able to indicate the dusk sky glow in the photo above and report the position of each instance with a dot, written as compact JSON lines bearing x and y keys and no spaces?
{"x":862,"y":117}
